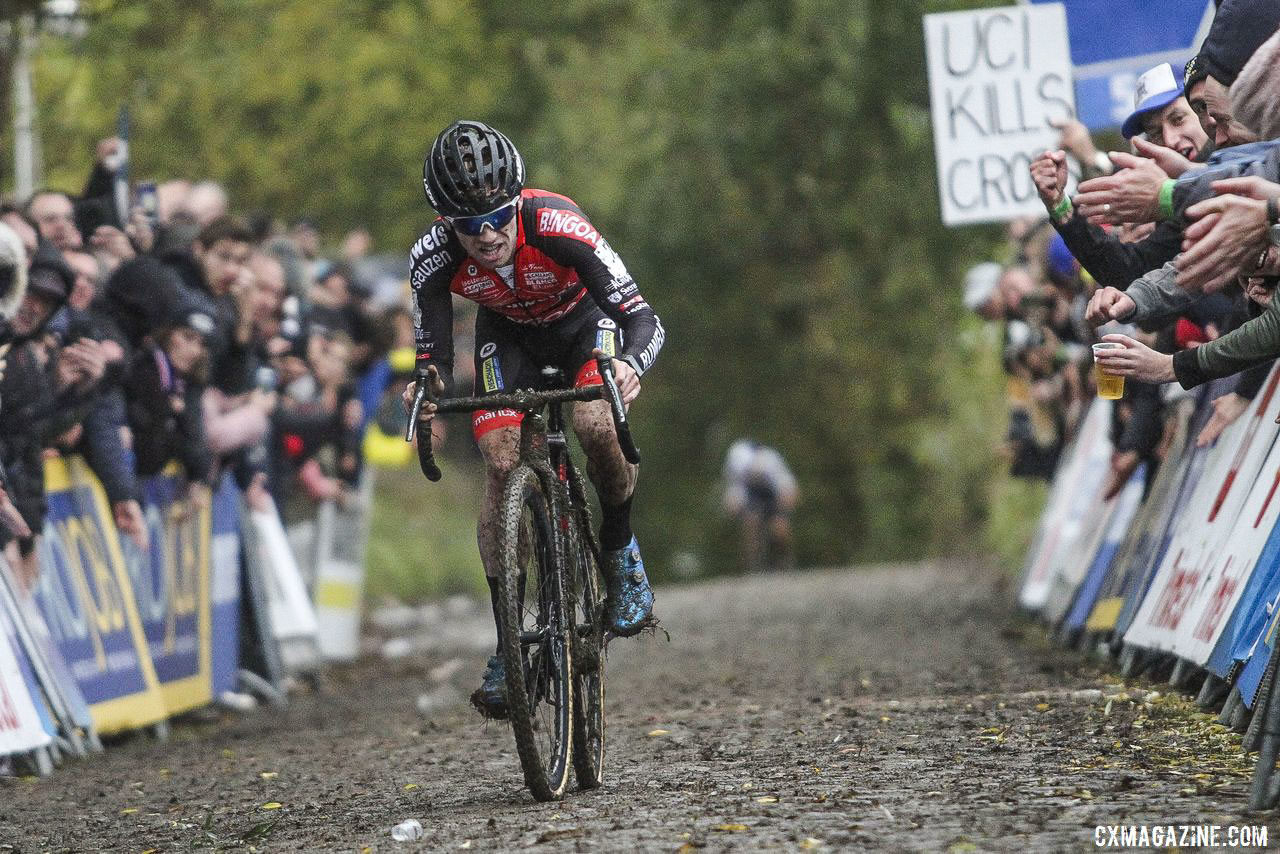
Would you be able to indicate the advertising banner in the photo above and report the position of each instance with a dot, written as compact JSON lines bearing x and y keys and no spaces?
{"x":1125,"y":508}
{"x":1231,"y":566}
{"x":1205,"y":525}
{"x":998,"y":80}
{"x":343,"y":533}
{"x":171,"y":584}
{"x":1129,"y":569}
{"x":21,"y":726}
{"x":224,"y":586}
{"x":87,"y":600}
{"x":293,"y":618}
{"x":1075,"y":491}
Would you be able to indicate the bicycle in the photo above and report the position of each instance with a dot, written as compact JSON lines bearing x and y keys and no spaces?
{"x":553,"y":646}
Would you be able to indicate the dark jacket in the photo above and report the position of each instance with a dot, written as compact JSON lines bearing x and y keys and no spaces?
{"x":165,"y":417}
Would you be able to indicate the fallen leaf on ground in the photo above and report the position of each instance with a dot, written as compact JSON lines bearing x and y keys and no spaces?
{"x":767,"y":799}
{"x":272,"y":805}
{"x":731,"y":828}
{"x":657,"y":732}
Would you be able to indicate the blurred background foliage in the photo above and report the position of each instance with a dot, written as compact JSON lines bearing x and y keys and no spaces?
{"x":765,"y":167}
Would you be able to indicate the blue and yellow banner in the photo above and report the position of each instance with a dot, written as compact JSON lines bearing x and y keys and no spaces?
{"x":87,"y":599}
{"x":171,"y":586}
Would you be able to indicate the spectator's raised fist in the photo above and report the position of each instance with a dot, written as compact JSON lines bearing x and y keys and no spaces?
{"x":1049,"y":172}
{"x":1108,"y":304}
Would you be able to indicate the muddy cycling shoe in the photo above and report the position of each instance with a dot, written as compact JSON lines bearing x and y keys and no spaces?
{"x":629,"y":607}
{"x":490,"y":699}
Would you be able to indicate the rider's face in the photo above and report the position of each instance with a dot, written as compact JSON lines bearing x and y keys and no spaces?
{"x":493,"y":248}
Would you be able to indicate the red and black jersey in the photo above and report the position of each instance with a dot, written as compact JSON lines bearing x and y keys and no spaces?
{"x":560,"y":262}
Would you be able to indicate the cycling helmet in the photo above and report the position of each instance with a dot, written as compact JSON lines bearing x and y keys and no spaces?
{"x":471,"y":170}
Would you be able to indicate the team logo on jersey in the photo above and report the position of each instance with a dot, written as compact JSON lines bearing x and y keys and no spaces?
{"x":540,"y":278}
{"x":471,"y":270}
{"x":606,"y":323}
{"x":426,"y":266}
{"x":491,"y":372}
{"x":474,"y":287}
{"x":487,"y":350}
{"x":606,"y":342}
{"x":560,"y":223}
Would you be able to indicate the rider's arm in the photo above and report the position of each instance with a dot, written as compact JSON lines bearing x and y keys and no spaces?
{"x":432,"y":262}
{"x":569,"y":239}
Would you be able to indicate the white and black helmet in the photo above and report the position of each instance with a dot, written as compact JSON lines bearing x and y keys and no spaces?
{"x":471,"y":170}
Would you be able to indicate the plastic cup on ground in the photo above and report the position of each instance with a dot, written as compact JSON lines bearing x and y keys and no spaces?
{"x":1110,"y":386}
{"x":407,"y":831}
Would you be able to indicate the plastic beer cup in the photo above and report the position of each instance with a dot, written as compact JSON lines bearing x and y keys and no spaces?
{"x":1110,"y":386}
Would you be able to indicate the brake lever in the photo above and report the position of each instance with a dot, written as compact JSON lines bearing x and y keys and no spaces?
{"x":604,"y":364}
{"x":426,"y":455}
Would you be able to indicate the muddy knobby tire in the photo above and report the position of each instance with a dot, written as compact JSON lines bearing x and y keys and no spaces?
{"x":540,"y":677}
{"x":588,"y":670}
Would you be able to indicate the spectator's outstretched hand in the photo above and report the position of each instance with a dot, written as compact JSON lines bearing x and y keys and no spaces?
{"x":1132,"y":194}
{"x":1171,"y":162}
{"x":1226,"y":410}
{"x":1108,"y":304}
{"x":111,"y":153}
{"x":1223,"y":241}
{"x":130,"y":521}
{"x":352,"y":414}
{"x":11,"y":518}
{"x":82,"y":362}
{"x":1259,"y":293}
{"x":1136,"y":360}
{"x":113,"y":245}
{"x":1123,"y":465}
{"x":140,"y":231}
{"x":256,"y":494}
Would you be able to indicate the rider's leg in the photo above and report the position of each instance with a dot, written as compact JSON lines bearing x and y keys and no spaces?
{"x":501,"y":450}
{"x":613,"y":477}
{"x":630,"y":601}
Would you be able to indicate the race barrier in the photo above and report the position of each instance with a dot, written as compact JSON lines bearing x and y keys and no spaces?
{"x":113,"y":637}
{"x":1185,"y":579}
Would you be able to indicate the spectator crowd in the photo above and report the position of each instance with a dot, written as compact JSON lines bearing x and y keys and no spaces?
{"x":1171,"y":250}
{"x":172,"y":330}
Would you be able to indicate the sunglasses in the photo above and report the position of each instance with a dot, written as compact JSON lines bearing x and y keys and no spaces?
{"x":473,"y":226}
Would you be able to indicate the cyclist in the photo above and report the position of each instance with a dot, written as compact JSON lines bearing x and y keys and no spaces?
{"x":551,"y":291}
{"x":760,"y":493}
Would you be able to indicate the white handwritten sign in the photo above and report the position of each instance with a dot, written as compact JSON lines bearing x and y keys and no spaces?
{"x":998,"y":79}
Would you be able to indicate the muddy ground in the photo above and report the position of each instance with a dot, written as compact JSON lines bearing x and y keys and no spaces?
{"x":895,"y":707}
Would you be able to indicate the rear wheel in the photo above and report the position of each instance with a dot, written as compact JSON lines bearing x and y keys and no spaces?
{"x":535,"y":637}
{"x":588,"y":661}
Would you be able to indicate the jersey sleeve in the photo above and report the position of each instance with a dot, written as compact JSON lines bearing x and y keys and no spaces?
{"x":432,"y":262}
{"x":564,"y":233}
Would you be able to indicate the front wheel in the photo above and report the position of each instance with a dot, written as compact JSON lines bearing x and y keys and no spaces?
{"x":535,"y":636}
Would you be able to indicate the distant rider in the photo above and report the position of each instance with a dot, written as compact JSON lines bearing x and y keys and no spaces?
{"x":760,"y":493}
